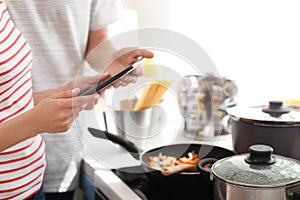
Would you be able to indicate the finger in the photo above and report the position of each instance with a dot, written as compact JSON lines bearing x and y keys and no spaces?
{"x":76,"y":110}
{"x":74,"y":92}
{"x":135,"y":53}
{"x":142,"y":52}
{"x":117,"y":84}
{"x":89,"y":106}
{"x":96,"y":100}
{"x":130,"y":55}
{"x":139,"y":71}
{"x":101,"y":92}
{"x":134,"y":79}
{"x":104,"y":76}
{"x":72,"y":118}
{"x":66,"y":94}
{"x":130,"y":79}
{"x":81,"y":100}
{"x":88,"y":81}
{"x":123,"y":83}
{"x":75,"y":116}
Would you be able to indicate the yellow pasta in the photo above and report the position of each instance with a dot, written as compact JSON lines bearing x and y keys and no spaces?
{"x":152,"y":94}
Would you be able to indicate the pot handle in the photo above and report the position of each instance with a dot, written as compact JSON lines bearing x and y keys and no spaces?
{"x":128,"y":145}
{"x":204,"y":167}
{"x":229,"y":102}
{"x":226,"y":122}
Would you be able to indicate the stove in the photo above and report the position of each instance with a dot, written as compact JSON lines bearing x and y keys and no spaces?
{"x":129,"y":181}
{"x":150,"y":187}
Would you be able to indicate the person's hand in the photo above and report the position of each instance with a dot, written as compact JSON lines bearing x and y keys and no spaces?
{"x":123,"y":59}
{"x":57,"y":112}
{"x":87,"y":82}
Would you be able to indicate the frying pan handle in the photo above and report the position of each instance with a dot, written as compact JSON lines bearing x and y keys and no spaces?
{"x":206,"y":171}
{"x":128,"y":145}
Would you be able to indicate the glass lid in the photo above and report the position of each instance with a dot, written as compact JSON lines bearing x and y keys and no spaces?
{"x":259,"y":168}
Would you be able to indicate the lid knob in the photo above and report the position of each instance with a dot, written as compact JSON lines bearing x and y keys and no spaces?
{"x":260,"y":155}
{"x":275,"y":108}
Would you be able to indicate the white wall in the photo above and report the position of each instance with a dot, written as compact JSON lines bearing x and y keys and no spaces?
{"x":152,"y":13}
{"x":254,"y":42}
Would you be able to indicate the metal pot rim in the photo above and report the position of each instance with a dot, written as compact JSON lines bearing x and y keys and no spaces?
{"x":275,"y":186}
{"x":233,"y":169}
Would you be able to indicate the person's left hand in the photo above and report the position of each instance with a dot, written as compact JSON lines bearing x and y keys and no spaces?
{"x":87,"y":82}
{"x":124,"y":58}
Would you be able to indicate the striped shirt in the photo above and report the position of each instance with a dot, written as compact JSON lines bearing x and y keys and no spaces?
{"x":22,"y":165}
{"x":57,"y":31}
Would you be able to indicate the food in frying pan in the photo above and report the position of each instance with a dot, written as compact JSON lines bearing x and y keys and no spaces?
{"x":192,"y":159}
{"x":157,"y":162}
{"x":170,"y":165}
{"x":207,"y":165}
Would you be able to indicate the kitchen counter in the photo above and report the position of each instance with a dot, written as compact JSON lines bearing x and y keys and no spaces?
{"x":100,"y":156}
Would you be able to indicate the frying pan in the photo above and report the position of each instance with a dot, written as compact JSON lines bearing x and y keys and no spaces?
{"x":176,"y":150}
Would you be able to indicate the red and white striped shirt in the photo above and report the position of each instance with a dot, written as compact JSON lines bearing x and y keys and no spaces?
{"x":21,"y":166}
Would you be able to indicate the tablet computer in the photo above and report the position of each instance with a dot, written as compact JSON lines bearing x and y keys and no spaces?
{"x":102,"y":85}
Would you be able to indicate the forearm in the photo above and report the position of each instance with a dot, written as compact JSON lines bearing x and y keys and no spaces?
{"x":17,"y":129}
{"x":100,"y":50}
{"x":95,"y":38}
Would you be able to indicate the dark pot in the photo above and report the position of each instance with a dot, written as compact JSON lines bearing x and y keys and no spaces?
{"x":274,"y":125}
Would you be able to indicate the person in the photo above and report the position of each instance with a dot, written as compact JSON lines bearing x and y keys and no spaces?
{"x":62,"y":34}
{"x":25,"y":114}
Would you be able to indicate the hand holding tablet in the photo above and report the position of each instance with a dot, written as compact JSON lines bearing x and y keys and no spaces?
{"x":104,"y":84}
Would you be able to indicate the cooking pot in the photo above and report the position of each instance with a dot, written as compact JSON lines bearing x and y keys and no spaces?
{"x":275,"y":125}
{"x":256,"y":175}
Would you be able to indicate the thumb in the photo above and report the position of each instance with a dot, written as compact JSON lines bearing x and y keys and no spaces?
{"x":105,"y":75}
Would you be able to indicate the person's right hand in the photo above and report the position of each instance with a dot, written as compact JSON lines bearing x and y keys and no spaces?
{"x":57,"y":112}
{"x":124,"y":58}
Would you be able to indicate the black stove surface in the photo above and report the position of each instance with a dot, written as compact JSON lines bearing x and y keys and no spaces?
{"x":150,"y":188}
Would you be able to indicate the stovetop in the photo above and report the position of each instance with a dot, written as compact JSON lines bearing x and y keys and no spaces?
{"x":149,"y":187}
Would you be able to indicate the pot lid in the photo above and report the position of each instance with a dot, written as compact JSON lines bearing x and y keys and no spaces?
{"x":259,"y":168}
{"x":274,"y":112}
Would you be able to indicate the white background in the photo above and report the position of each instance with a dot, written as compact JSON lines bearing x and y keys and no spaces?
{"x":256,"y":43}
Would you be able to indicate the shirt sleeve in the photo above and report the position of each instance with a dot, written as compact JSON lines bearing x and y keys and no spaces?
{"x":104,"y":12}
